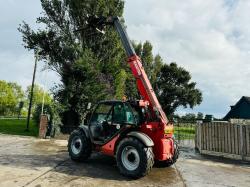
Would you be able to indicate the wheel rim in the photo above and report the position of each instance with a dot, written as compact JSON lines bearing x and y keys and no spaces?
{"x":76,"y":145}
{"x":130,"y":158}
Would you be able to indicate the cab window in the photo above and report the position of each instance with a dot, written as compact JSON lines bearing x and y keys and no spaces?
{"x":102,"y":113}
{"x":129,"y":114}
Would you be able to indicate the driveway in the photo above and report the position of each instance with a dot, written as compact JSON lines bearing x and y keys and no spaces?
{"x":27,"y":161}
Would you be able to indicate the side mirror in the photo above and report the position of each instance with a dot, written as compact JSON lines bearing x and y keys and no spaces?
{"x":88,"y":106}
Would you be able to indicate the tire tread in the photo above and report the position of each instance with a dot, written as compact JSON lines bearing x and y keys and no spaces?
{"x":145,"y":167}
{"x":86,"y":148}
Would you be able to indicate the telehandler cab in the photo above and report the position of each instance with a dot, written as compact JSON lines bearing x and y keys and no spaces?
{"x":136,"y":133}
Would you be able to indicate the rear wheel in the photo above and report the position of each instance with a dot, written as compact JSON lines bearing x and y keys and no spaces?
{"x":79,"y":146}
{"x":134,"y":159}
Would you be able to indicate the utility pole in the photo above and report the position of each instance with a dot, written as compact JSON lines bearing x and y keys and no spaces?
{"x":31,"y":91}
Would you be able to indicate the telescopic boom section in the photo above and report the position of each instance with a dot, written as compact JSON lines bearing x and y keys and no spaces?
{"x":143,"y":84}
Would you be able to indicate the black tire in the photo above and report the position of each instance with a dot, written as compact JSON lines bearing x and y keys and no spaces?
{"x":139,"y":168}
{"x":79,"y":146}
{"x":168,"y":163}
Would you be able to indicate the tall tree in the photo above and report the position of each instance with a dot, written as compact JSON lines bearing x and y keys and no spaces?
{"x":156,"y":69}
{"x":64,"y":48}
{"x":91,"y":65}
{"x":147,"y":58}
{"x":190,"y":117}
{"x":152,"y":64}
{"x":200,"y":116}
{"x":8,"y":100}
{"x":17,"y":91}
{"x":171,"y":83}
{"x":120,"y":83}
{"x":144,"y":51}
{"x":11,"y":94}
{"x":82,"y":87}
{"x":174,"y":88}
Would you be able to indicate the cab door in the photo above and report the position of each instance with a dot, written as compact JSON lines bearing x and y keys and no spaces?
{"x":101,"y":116}
{"x":119,"y":116}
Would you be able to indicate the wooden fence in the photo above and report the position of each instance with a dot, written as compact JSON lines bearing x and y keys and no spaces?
{"x":223,"y":139}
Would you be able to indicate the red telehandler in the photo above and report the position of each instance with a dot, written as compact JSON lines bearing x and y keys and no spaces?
{"x":137,"y":133}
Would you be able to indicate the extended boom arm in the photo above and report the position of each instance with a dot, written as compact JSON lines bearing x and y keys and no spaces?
{"x":143,"y":84}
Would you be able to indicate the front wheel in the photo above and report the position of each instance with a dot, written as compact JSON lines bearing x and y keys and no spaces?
{"x":79,"y":146}
{"x":134,"y":159}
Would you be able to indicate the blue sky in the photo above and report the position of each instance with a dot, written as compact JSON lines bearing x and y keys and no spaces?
{"x":211,"y":39}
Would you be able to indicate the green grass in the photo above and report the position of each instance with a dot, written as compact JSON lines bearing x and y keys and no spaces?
{"x":17,"y":127}
{"x":183,"y":133}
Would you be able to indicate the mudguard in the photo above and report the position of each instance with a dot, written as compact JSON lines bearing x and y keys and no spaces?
{"x":145,"y":139}
{"x":85,"y":129}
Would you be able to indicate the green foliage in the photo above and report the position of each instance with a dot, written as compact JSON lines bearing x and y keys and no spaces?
{"x":86,"y":84}
{"x":190,"y":117}
{"x":52,"y":110}
{"x":10,"y":96}
{"x":7,"y":98}
{"x":171,"y":83}
{"x":144,"y":51}
{"x":13,"y":99}
{"x":147,"y":58}
{"x":156,"y":69}
{"x":184,"y":131}
{"x":24,"y":112}
{"x":175,"y":89}
{"x":47,"y":109}
{"x":90,"y":64}
{"x":86,"y":61}
{"x":17,"y":91}
{"x":120,"y":82}
{"x":151,"y":64}
{"x":200,"y":116}
{"x":130,"y":87}
{"x":38,"y":94}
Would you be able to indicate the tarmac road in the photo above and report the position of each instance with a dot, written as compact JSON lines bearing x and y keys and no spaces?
{"x":27,"y":161}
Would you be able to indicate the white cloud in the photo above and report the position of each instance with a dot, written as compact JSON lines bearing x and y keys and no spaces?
{"x":211,"y":39}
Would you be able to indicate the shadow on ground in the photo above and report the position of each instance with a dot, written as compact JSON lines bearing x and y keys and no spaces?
{"x":98,"y":166}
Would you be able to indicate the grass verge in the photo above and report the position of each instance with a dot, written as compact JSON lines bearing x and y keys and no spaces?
{"x":182,"y":133}
{"x":17,"y":127}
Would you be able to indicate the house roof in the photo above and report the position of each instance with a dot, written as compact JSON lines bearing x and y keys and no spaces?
{"x":241,"y":110}
{"x":247,"y":98}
